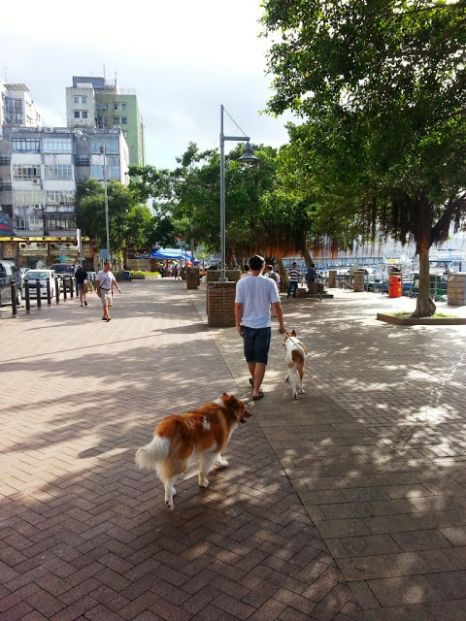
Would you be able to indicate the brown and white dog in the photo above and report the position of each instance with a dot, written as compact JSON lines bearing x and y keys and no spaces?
{"x":295,"y":355}
{"x":204,"y":433}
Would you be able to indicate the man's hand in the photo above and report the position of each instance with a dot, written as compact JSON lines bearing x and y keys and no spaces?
{"x":281,"y":328}
{"x":240,"y":330}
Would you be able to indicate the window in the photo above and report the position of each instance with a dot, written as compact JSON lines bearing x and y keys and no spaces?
{"x":75,"y":99}
{"x":59,"y":171}
{"x":25,"y":172}
{"x":124,"y":120}
{"x":113,"y":172}
{"x":84,"y":114}
{"x":97,"y":171}
{"x":27,"y":197}
{"x":116,"y":120}
{"x":76,"y":114}
{"x":84,"y":99}
{"x":57,"y":145}
{"x":111,"y":146}
{"x":64,"y":222}
{"x":119,"y":106}
{"x":25,"y":145}
{"x":59,"y":198}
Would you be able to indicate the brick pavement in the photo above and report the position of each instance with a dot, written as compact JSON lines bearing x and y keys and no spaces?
{"x":85,"y":536}
{"x":376,"y":449}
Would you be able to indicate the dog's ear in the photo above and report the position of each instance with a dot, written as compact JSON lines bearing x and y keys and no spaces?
{"x":225,"y":397}
{"x":293,"y":332}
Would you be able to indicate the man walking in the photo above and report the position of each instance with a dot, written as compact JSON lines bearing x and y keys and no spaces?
{"x":255,"y":296}
{"x":105,"y":281}
{"x":80,"y":276}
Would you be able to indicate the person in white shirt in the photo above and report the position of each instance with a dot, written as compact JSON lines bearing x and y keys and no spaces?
{"x":255,"y":296}
{"x":105,"y":281}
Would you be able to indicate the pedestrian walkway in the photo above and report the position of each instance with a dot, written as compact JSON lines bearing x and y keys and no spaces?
{"x":347,"y":504}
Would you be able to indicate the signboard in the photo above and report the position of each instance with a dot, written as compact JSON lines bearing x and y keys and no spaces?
{"x":103,"y":254}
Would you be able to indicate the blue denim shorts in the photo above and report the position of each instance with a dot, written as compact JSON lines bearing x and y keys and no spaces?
{"x":256,"y":343}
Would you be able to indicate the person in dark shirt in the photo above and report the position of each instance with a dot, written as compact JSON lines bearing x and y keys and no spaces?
{"x":81,"y":284}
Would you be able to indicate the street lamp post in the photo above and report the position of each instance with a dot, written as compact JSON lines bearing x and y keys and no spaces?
{"x":103,"y":150}
{"x":246,"y":157}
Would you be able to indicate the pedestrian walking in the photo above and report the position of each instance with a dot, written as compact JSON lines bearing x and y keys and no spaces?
{"x":81,"y":284}
{"x":255,"y":296}
{"x":105,"y":281}
{"x":293,"y":280}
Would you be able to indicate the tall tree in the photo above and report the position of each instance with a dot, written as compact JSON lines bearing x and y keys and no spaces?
{"x":128,"y":218}
{"x":387,"y":78}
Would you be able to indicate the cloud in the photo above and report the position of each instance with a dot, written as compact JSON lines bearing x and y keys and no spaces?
{"x":183,"y":58}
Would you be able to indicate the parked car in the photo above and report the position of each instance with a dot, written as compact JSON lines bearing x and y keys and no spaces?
{"x":9,"y":274}
{"x":63,"y":270}
{"x":23,"y":271}
{"x":42,"y":276}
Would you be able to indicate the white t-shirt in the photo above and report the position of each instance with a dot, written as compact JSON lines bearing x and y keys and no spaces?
{"x":256,"y":294}
{"x":105,"y":279}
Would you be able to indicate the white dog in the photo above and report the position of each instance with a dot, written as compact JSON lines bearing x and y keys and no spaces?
{"x":295,"y":355}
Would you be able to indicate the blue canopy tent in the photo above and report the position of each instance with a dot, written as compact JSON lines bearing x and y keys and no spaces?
{"x":171,"y":254}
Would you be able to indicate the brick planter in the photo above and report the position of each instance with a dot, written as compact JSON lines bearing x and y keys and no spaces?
{"x":221,"y":304}
{"x":192,"y":278}
{"x":457,"y":289}
{"x":358,"y":281}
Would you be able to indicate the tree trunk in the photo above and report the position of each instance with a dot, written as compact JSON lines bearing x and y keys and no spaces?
{"x":425,"y":306}
{"x":283,"y":275}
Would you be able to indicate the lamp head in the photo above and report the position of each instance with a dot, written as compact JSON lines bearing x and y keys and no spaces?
{"x":248,"y":156}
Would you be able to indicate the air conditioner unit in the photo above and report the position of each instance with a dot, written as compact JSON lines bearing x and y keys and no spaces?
{"x":35,"y":181}
{"x":37,"y":207}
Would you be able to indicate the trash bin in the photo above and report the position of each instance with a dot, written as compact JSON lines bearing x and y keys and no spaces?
{"x":394,"y":286}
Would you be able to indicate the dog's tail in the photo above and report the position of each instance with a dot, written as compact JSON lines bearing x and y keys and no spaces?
{"x":150,"y":455}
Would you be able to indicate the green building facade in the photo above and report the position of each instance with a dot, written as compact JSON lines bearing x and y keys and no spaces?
{"x":119,"y":109}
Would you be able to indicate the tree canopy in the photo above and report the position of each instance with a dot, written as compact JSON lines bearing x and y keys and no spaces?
{"x":380,"y":89}
{"x":129,"y":219}
{"x":259,"y":217}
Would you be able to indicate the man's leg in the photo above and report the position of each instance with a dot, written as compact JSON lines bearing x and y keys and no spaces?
{"x":104,"y":306}
{"x":257,"y":371}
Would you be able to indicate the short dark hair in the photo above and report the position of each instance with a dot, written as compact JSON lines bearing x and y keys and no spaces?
{"x":246,"y":267}
{"x":256,"y":262}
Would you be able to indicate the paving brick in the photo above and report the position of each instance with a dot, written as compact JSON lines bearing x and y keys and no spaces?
{"x":368,"y":453}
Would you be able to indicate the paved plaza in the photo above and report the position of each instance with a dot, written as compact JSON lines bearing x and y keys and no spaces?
{"x":348,"y":504}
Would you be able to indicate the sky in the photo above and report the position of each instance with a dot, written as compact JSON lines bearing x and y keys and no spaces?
{"x":182,"y":57}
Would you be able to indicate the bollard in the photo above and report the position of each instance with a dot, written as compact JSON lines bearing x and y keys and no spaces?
{"x":64,"y":287}
{"x":71,"y":287}
{"x":27,"y":299}
{"x":39,"y":299}
{"x":49,"y":297}
{"x":14,"y":309}
{"x":57,"y":291}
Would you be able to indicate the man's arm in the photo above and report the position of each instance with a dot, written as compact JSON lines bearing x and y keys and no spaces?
{"x":277,"y":308}
{"x":238,"y":315}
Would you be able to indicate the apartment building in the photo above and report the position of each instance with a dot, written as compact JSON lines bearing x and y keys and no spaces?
{"x":17,"y":109}
{"x":96,"y":102}
{"x":40,"y":167}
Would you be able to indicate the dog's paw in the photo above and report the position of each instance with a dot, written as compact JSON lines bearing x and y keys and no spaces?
{"x":221,"y":463}
{"x":302,"y":391}
{"x":203,"y":482}
{"x":295,"y":397}
{"x":169,"y":503}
